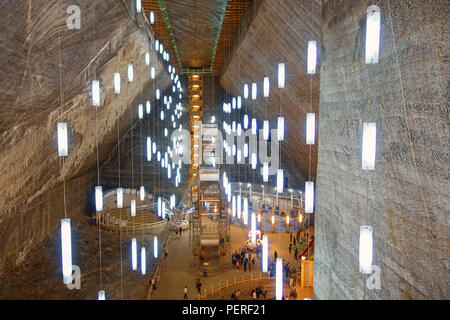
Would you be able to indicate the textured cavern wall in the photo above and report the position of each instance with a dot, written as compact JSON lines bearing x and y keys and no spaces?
{"x":279,"y":32}
{"x":405,"y":199}
{"x":34,"y":38}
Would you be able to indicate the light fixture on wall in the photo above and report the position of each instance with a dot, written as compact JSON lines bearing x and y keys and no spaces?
{"x":369,"y":142}
{"x":373,"y":34}
{"x":149,"y":149}
{"x":148,"y":107}
{"x":63,"y":148}
{"x":238,"y":206}
{"x":233,"y":207}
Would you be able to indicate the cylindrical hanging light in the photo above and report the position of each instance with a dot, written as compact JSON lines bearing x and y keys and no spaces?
{"x":310,"y":127}
{"x":95,"y":93}
{"x":254,"y":126}
{"x":266,"y":87}
{"x":142,"y":193}
{"x":143,"y":261}
{"x":254,"y":161}
{"x":312,"y":57}
{"x":163,"y":209}
{"x":253,"y":228}
{"x":101,"y":295}
{"x":279,"y":279}
{"x":138,"y":6}
{"x":117,"y":82}
{"x":245,"y":215}
{"x":130,"y":73}
{"x":66,"y":250}
{"x":281,"y":75}
{"x":233,"y":210}
{"x":238,"y":206}
{"x":280,"y":130}
{"x":149,"y":149}
{"x":119,"y":201}
{"x":134,"y":253}
{"x":148,"y":107}
{"x":254,"y":91}
{"x":158,"y":94}
{"x":265,"y":253}
{"x":245,"y":150}
{"x":372,"y":34}
{"x":159,"y":207}
{"x":245,"y":91}
{"x":265,"y":171}
{"x":63,"y":148}
{"x":239,"y":102}
{"x":98,"y":198}
{"x":147,"y":58}
{"x":365,"y":249}
{"x":369,"y":143}
{"x":309,"y":196}
{"x":266,"y":130}
{"x":153,"y":73}
{"x":133,"y":208}
{"x":141,"y":111}
{"x":155,"y":247}
{"x":280,"y":180}
{"x":152,"y":17}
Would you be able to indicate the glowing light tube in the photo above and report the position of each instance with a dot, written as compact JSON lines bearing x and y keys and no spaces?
{"x":280,"y":180}
{"x":245,"y":91}
{"x":133,"y":208}
{"x":158,"y":94}
{"x":265,"y":253}
{"x":95,"y":93}
{"x":239,"y":102}
{"x":101,"y":295}
{"x":159,"y":206}
{"x":98,"y":198}
{"x":279,"y":279}
{"x":133,"y":254}
{"x":149,"y":149}
{"x":138,"y":6}
{"x":152,"y":73}
{"x":365,"y":249}
{"x":310,"y":128}
{"x":152,"y":17}
{"x":163,"y":209}
{"x":155,"y":247}
{"x":143,"y":261}
{"x":245,"y":215}
{"x":265,"y":172}
{"x":117,"y":82}
{"x":254,"y":91}
{"x":142,"y":193}
{"x":280,"y":129}
{"x":246,"y":121}
{"x":266,"y":130}
{"x":254,"y":126}
{"x":254,"y":161}
{"x":245,"y":150}
{"x":148,"y":107}
{"x":312,"y":57}
{"x":253,"y":228}
{"x":309,"y":196}
{"x":233,"y":206}
{"x":239,"y":206}
{"x":266,"y":87}
{"x":130,"y":73}
{"x":141,"y":111}
{"x":66,"y":250}
{"x":372,"y":34}
{"x":369,"y":142}
{"x":147,"y":58}
{"x":281,"y":75}
{"x":63,"y":149}
{"x":119,"y":193}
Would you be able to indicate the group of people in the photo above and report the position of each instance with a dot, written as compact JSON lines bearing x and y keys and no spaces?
{"x":178,"y":231}
{"x":257,"y":292}
{"x":243,"y":258}
{"x":295,"y":242}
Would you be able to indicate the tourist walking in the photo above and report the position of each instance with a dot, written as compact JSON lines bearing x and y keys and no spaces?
{"x":185,"y":297}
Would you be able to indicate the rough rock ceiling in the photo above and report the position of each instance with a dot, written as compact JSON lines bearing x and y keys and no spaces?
{"x":198,"y":34}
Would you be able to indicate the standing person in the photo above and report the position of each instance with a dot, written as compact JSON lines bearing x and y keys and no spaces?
{"x":176,"y":232}
{"x":290,"y":237}
{"x":181,"y":229}
{"x":290,"y":247}
{"x":166,"y":250}
{"x":264,"y":293}
{"x":185,"y":297}
{"x":295,"y":253}
{"x":275,"y":255}
{"x":245,"y":265}
{"x":254,"y":294}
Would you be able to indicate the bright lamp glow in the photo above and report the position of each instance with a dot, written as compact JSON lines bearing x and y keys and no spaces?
{"x":149,"y":149}
{"x":280,"y":180}
{"x":66,"y":250}
{"x":245,"y":121}
{"x":245,"y":91}
{"x":253,"y":228}
{"x":281,"y":75}
{"x":312,"y":57}
{"x":142,"y":193}
{"x":138,"y":6}
{"x":372,"y":34}
{"x":63,"y":149}
{"x":309,"y":196}
{"x":266,"y":130}
{"x":279,"y":279}
{"x":369,"y":146}
{"x":95,"y":93}
{"x":101,"y":295}
{"x":152,"y":17}
{"x":152,"y":72}
{"x":162,"y":115}
{"x":99,"y":198}
{"x":117,"y":82}
{"x":143,"y":261}
{"x":119,"y":193}
{"x":265,"y":172}
{"x":310,"y":127}
{"x":238,"y":206}
{"x":147,"y":58}
{"x":245,"y":215}
{"x":245,"y":150}
{"x":163,"y":209}
{"x":134,"y":253}
{"x":155,"y":247}
{"x":365,"y":249}
{"x":266,"y":87}
{"x":133,"y":208}
{"x":265,"y":253}
{"x":233,"y":206}
{"x":280,"y":128}
{"x":148,"y":107}
{"x":239,"y":102}
{"x":141,"y":111}
{"x":254,"y":161}
{"x":254,"y":91}
{"x":130,"y":73}
{"x":158,"y":94}
{"x":254,"y":126}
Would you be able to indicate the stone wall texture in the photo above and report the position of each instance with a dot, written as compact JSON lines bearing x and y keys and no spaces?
{"x":406,"y":198}
{"x":34,"y":41}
